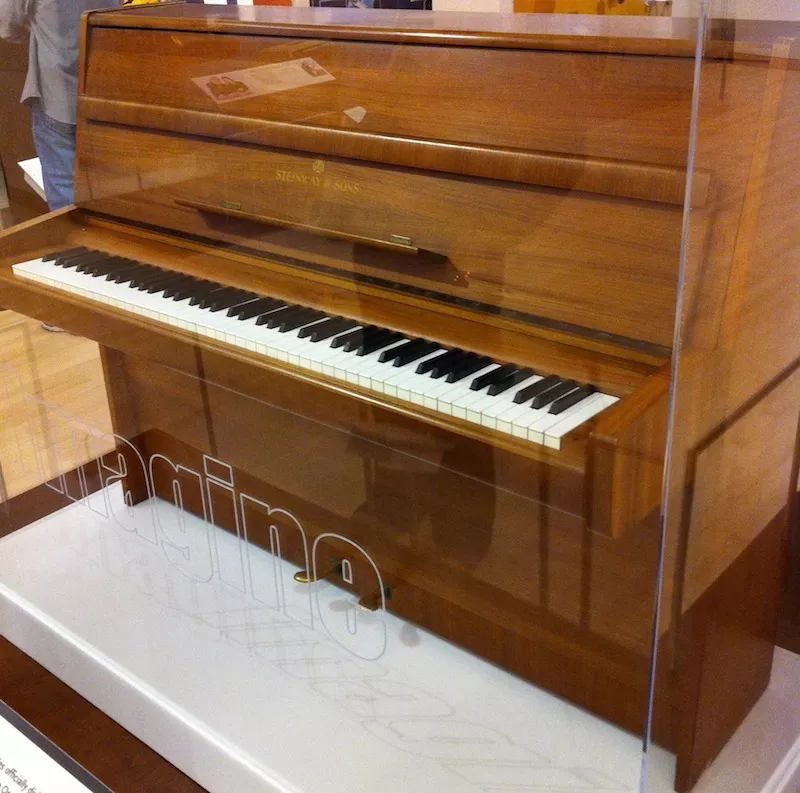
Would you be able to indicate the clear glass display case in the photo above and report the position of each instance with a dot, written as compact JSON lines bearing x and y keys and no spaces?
{"x":429,"y":404}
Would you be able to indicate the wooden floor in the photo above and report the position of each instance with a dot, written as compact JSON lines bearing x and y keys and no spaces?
{"x":48,"y":382}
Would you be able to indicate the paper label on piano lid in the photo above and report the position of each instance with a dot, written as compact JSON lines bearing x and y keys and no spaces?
{"x":262,"y":80}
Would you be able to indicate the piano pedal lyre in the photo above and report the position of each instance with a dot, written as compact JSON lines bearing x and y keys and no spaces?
{"x":306,"y":577}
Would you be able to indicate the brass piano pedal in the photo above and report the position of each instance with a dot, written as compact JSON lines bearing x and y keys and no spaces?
{"x":372,"y":601}
{"x":305,"y":577}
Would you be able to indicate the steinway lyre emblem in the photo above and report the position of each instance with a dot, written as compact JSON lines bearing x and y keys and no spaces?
{"x":318,"y":166}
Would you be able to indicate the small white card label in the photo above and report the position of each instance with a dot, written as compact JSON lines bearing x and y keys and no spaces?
{"x":262,"y":80}
{"x":25,"y":768}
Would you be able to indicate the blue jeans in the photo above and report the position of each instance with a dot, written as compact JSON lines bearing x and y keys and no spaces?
{"x":55,"y":145}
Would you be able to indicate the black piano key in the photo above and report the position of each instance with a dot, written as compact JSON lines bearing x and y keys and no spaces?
{"x":132,"y":266}
{"x":80,"y":262}
{"x":113,"y":265}
{"x":371,"y":334}
{"x":198,"y":286}
{"x":348,"y":338}
{"x":426,"y":366}
{"x":410,"y":346}
{"x":411,"y":355}
{"x":171,"y":290}
{"x":298,"y":320}
{"x":465,"y":370}
{"x":73,"y":259}
{"x":51,"y":257}
{"x":220,"y":294}
{"x":146,"y":277}
{"x":274,"y":318}
{"x":161,"y":284}
{"x":151,"y":284}
{"x":495,"y":376}
{"x":206,"y":291}
{"x":510,"y":381}
{"x":568,"y":401}
{"x":163,"y":279}
{"x":99,"y":266}
{"x":330,"y":326}
{"x":256,"y":308}
{"x":125,"y":275}
{"x":445,"y":367}
{"x":232,"y":301}
{"x":562,"y":389}
{"x":322,"y":332}
{"x":378,"y":342}
{"x":539,"y":387}
{"x":368,"y":333}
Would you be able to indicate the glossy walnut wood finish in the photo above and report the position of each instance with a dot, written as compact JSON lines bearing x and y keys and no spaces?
{"x":544,"y":32}
{"x":618,"y":374}
{"x":471,"y":96}
{"x":546,"y":253}
{"x":546,"y":564}
{"x":466,"y":547}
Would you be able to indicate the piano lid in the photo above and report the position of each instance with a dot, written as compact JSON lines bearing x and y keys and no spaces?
{"x":586,"y":33}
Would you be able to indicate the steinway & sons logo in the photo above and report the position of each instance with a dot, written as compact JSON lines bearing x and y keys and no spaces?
{"x":317,"y":178}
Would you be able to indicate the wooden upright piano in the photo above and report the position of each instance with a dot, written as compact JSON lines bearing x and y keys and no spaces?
{"x":412,"y":279}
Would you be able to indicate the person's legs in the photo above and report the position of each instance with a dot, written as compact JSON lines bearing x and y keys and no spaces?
{"x":55,"y":145}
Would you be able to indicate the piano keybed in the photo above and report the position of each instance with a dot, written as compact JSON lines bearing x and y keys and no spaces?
{"x":538,"y":407}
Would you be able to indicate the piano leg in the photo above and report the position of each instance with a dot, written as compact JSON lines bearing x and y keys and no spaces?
{"x":124,"y":422}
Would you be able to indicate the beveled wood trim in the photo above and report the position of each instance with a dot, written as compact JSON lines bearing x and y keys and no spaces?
{"x":613,"y":421}
{"x":632,"y":35}
{"x":644,"y":181}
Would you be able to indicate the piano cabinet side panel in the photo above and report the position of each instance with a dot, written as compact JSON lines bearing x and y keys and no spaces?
{"x":626,"y":459}
{"x":28,"y":240}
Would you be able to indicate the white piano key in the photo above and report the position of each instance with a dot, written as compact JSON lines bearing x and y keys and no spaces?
{"x":573,"y":417}
{"x":398,"y":377}
{"x":449,"y":402}
{"x":505,"y":402}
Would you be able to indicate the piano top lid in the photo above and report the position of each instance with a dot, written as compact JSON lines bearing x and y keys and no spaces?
{"x":575,"y":32}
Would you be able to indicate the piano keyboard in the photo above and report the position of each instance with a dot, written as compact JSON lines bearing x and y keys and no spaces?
{"x":518,"y":401}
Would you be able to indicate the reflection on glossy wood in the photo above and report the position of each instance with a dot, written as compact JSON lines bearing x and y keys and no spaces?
{"x":60,"y":370}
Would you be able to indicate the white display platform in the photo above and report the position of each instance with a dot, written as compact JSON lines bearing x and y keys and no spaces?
{"x":309,"y":696}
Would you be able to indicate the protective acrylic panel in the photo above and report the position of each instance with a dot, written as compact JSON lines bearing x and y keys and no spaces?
{"x":735,"y":408}
{"x":287,"y":565}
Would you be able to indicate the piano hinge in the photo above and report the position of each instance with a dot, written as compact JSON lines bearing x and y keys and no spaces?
{"x":399,"y":239}
{"x":231,"y":205}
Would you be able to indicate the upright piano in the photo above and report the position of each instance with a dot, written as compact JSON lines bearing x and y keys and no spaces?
{"x":410,"y":280}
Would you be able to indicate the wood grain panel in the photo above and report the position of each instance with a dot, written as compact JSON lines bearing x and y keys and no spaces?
{"x":474,"y":96}
{"x":546,"y":253}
